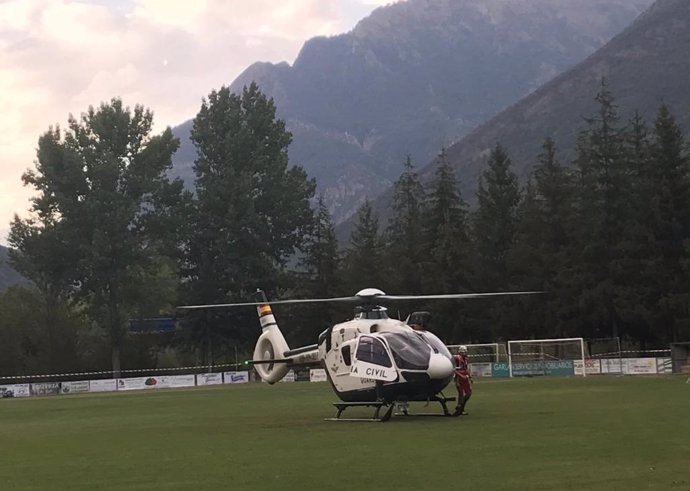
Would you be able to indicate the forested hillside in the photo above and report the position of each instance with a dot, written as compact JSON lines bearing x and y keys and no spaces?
{"x":647,"y":64}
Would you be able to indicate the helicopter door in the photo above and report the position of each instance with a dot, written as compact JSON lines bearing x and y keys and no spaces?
{"x":373,"y":360}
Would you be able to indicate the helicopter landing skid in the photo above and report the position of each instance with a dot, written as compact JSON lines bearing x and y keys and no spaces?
{"x":402,"y":409}
{"x":442,"y":400}
{"x":377,"y":417}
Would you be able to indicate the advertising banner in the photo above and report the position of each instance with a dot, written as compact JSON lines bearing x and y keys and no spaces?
{"x":74,"y":387}
{"x":289,"y":377}
{"x":613,"y":365}
{"x":45,"y":389}
{"x":534,"y":368}
{"x":139,"y":383}
{"x":235,"y":377}
{"x":482,"y":369}
{"x":107,"y":385}
{"x":177,"y":381}
{"x":209,"y":378}
{"x":302,"y":375}
{"x":664,"y":365}
{"x":640,"y":366}
{"x":15,"y":390}
{"x":500,"y":370}
{"x":317,"y":375}
{"x":593,"y":367}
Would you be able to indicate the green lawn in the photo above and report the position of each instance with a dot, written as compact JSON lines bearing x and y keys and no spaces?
{"x":525,"y":434}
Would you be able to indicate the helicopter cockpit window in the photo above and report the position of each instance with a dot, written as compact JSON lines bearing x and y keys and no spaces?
{"x":409,"y":350}
{"x":436,"y":343}
{"x":345,"y":351}
{"x":372,"y":350}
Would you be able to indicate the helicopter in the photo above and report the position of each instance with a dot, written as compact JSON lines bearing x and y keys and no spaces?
{"x":370,"y":360}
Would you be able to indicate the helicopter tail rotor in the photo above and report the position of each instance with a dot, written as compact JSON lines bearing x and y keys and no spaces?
{"x":270,"y":347}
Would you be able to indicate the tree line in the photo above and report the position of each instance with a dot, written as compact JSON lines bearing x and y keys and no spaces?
{"x":112,"y":239}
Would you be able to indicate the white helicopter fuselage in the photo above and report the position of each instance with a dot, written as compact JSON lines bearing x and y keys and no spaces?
{"x":368,"y":358}
{"x":371,"y":360}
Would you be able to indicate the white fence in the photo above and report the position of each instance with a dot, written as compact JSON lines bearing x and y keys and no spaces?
{"x":138,"y":383}
{"x":626,"y":366}
{"x":122,"y":384}
{"x":613,"y":366}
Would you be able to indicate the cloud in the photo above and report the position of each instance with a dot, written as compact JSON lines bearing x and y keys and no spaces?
{"x":59,"y":56}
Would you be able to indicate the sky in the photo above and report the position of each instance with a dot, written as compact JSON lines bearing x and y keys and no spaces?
{"x":58,"y":57}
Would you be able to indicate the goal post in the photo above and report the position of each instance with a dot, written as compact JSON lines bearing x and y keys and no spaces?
{"x":533,"y":357}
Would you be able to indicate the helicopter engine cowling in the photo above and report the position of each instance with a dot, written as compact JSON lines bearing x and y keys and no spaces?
{"x":271,"y":345}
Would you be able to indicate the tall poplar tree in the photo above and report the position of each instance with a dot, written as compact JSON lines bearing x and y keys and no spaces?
{"x":250,"y":214}
{"x":102,"y":213}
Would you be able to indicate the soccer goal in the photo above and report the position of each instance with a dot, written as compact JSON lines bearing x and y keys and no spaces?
{"x":533,"y":357}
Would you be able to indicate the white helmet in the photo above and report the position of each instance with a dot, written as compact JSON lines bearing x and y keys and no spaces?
{"x":462,"y":349}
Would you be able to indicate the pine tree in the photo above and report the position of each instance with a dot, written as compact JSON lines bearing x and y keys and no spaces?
{"x":636,"y":275}
{"x":495,"y":220}
{"x":446,"y":245}
{"x":538,"y":261}
{"x":670,"y":203}
{"x":363,"y":259}
{"x":445,"y":232}
{"x":321,"y":261}
{"x":602,"y":219}
{"x":319,"y":276}
{"x":405,"y":248}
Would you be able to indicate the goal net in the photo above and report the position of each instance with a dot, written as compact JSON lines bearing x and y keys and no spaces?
{"x":535,"y":357}
{"x":482,"y":357}
{"x":483,"y":353}
{"x":605,"y":356}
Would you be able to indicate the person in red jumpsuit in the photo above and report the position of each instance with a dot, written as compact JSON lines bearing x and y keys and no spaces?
{"x":463,"y":379}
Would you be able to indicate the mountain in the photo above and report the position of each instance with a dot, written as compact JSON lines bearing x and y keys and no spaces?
{"x":8,"y":276}
{"x":645,"y":65}
{"x":414,"y":76}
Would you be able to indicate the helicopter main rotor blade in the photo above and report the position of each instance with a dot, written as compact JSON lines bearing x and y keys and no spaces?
{"x":453,"y":296}
{"x":361,"y":298}
{"x":270,"y":302}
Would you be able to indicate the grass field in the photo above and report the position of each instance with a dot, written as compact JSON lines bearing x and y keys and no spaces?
{"x":524,"y":434}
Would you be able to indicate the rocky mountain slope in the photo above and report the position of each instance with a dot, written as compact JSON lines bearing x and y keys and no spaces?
{"x":414,"y":76}
{"x":647,"y":64}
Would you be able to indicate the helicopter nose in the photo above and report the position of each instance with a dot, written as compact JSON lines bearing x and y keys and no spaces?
{"x":440,"y":366}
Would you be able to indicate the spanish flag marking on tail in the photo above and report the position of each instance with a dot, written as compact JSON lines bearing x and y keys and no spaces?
{"x":265,"y":310}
